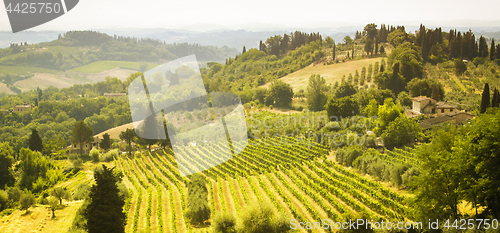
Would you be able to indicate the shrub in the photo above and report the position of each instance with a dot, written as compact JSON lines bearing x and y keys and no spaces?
{"x":224,"y":223}
{"x":4,"y":199}
{"x":108,"y":156}
{"x":81,"y":192}
{"x":94,"y":154}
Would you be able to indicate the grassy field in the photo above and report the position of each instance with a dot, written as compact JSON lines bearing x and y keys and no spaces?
{"x":100,"y":66}
{"x":299,"y":79}
{"x":23,"y":70}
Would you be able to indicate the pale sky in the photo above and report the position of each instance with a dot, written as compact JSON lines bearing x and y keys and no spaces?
{"x":99,"y":14}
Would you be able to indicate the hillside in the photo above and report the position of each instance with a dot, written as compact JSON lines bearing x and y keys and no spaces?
{"x":332,"y":73}
{"x":80,"y":57}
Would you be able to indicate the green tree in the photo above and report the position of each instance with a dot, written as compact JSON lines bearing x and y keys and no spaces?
{"x":485,"y":98}
{"x":341,"y":108}
{"x":104,"y":212}
{"x":369,"y":47}
{"x":105,"y":142}
{"x":198,"y":209}
{"x":492,"y":49}
{"x":27,"y":200}
{"x":345,"y":89}
{"x":460,"y":66}
{"x":6,"y":161}
{"x":478,"y":161}
{"x":60,"y":193}
{"x":483,"y":47}
{"x":316,"y":93}
{"x":400,"y":132}
{"x":33,"y":168}
{"x":437,"y":195}
{"x":53,"y":205}
{"x":425,"y":87}
{"x":35,"y":141}
{"x":82,"y":134}
{"x":404,"y":99}
{"x":94,"y":155}
{"x":281,"y":94}
{"x":386,"y":114}
{"x":382,"y":50}
{"x":128,"y":136}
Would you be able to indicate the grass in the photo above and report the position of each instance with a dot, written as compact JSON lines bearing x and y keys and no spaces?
{"x":299,"y":79}
{"x":100,"y":66}
{"x":23,"y":70}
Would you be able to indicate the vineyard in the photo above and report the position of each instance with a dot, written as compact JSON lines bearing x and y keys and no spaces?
{"x":297,"y":179}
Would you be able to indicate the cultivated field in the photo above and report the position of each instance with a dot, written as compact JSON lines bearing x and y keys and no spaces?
{"x":300,"y":79}
{"x":100,"y":66}
{"x":297,"y":180}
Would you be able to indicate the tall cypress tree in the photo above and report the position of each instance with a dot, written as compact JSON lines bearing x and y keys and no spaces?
{"x":244,"y":50}
{"x":333,"y":51}
{"x":35,"y":141}
{"x":483,"y":47}
{"x":485,"y":99}
{"x":105,"y":210}
{"x":494,"y":99}
{"x":492,"y":49}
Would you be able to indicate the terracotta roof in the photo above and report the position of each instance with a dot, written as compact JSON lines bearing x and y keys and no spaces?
{"x":421,"y":98}
{"x":442,"y":104}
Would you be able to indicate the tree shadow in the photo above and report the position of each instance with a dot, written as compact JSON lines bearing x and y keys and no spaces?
{"x":26,"y":213}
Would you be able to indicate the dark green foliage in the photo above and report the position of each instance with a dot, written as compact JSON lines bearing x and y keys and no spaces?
{"x":485,"y":98}
{"x":495,"y":101}
{"x":104,"y":212}
{"x":400,"y":132}
{"x":424,"y":87}
{"x":480,"y":150}
{"x":382,"y":50}
{"x":33,"y":166}
{"x":404,"y":99}
{"x":4,"y":200}
{"x":492,"y":49}
{"x":460,"y":66}
{"x":280,"y":94}
{"x":82,"y":134}
{"x":198,"y":208}
{"x":105,"y":142}
{"x":316,"y":93}
{"x":483,"y":47}
{"x":6,"y":161}
{"x":347,"y":155}
{"x":345,"y":89}
{"x":35,"y":141}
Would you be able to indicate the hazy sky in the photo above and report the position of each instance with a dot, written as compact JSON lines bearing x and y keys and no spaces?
{"x":98,"y":14}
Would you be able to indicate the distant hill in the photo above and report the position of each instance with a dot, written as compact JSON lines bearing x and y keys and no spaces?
{"x":78,"y":57}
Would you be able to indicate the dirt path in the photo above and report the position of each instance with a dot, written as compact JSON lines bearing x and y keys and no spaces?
{"x":238,"y":193}
{"x":228,"y":199}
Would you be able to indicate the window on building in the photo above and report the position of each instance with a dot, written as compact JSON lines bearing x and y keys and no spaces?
{"x":442,"y":110}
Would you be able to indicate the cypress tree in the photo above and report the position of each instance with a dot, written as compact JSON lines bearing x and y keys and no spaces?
{"x":382,"y":51}
{"x":352,"y":54}
{"x":105,"y":210}
{"x":492,"y":49}
{"x":244,"y":50}
{"x":333,"y":52}
{"x":497,"y":99}
{"x":35,"y":141}
{"x":483,"y":47}
{"x":485,"y":99}
{"x":494,"y":99}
